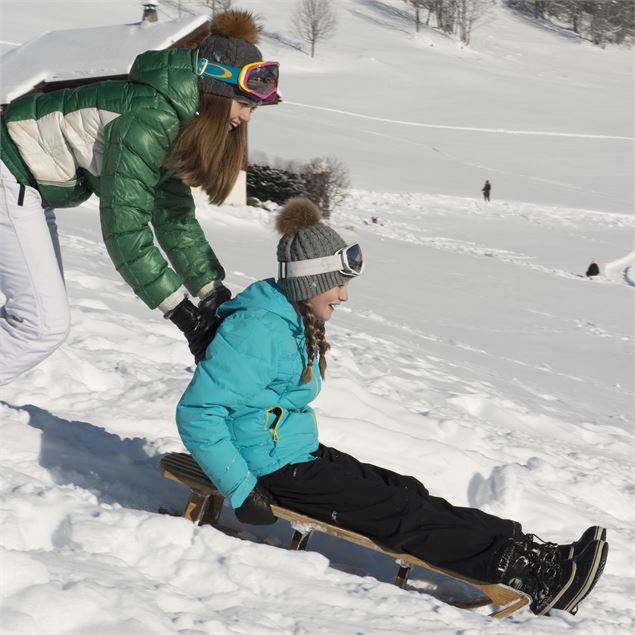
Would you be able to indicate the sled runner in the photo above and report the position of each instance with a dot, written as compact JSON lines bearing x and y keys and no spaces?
{"x":205,"y":504}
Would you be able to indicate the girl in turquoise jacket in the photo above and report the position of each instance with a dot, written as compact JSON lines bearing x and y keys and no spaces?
{"x":179,"y":120}
{"x":246,"y":419}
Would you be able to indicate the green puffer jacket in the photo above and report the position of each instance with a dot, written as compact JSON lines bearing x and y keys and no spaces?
{"x":111,"y":138}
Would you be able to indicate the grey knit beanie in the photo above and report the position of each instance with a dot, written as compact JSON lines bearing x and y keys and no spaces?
{"x":304,"y":237}
{"x":231,"y":41}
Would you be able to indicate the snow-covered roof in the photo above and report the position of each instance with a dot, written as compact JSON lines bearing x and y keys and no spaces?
{"x":81,"y":53}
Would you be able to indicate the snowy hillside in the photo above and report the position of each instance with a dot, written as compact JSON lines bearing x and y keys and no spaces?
{"x":546,"y":118}
{"x":472,"y":354}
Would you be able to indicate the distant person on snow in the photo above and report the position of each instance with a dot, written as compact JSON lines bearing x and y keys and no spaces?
{"x":178,"y":121}
{"x":593,"y":270}
{"x":245,"y":417}
{"x":487,"y":188}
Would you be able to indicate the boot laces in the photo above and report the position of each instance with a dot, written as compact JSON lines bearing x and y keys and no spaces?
{"x":546,"y":550}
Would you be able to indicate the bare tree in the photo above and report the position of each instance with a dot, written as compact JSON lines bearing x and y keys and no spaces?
{"x":445,"y":11}
{"x":419,"y":6}
{"x":326,"y":183}
{"x":540,"y":8}
{"x":571,"y":11}
{"x":468,"y":13}
{"x":452,"y":16}
{"x":314,"y":20}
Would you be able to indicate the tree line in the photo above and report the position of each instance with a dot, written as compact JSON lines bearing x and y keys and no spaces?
{"x":601,"y":21}
{"x":455,"y":17}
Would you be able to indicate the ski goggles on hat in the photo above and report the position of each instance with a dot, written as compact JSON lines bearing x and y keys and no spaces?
{"x":259,"y":79}
{"x":348,"y":261}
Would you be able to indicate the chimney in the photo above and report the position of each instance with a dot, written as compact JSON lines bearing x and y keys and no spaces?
{"x":150,"y":11}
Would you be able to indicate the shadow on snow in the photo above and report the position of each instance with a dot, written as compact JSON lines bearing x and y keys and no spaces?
{"x":117,"y":471}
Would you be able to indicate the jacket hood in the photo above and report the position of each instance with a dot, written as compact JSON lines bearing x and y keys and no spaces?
{"x":171,"y":73}
{"x":264,"y":295}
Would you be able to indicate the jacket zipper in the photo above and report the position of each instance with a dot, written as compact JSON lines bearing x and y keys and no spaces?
{"x":279,"y":411}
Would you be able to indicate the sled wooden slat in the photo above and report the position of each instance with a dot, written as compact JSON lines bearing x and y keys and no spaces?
{"x":205,"y":504}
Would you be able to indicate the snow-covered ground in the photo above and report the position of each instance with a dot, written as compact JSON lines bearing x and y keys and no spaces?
{"x":472,"y":354}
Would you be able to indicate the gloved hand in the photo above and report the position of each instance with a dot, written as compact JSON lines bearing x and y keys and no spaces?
{"x":198,"y":327}
{"x":211,"y":302}
{"x":256,"y":510}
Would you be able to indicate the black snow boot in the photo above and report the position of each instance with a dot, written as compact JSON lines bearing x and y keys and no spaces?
{"x":550,"y":583}
{"x":575,"y":548}
{"x":590,"y":565}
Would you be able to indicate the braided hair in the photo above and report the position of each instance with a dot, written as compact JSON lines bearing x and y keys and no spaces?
{"x":315,"y":334}
{"x":306,"y":237}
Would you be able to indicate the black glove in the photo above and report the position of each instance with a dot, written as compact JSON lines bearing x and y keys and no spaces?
{"x":198,"y":327}
{"x":211,"y":302}
{"x":256,"y":510}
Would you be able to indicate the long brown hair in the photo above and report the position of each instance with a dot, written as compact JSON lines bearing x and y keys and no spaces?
{"x":315,"y":334}
{"x":206,"y":154}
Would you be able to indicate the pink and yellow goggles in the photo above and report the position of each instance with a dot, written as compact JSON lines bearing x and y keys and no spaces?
{"x":259,"y":79}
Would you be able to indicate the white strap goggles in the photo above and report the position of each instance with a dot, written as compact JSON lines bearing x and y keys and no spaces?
{"x":348,"y":261}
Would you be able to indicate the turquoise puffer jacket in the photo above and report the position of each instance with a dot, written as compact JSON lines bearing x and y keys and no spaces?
{"x":110,"y":138}
{"x":245,"y":412}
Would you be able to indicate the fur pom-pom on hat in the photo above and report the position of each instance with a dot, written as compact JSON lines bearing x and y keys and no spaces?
{"x":231,"y":42}
{"x":297,"y":213}
{"x":235,"y":23}
{"x":305,"y":237}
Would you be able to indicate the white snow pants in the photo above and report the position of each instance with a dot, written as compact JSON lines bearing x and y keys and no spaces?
{"x":35,"y":318}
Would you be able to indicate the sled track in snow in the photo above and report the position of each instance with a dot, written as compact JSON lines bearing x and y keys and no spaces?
{"x":538,"y":133}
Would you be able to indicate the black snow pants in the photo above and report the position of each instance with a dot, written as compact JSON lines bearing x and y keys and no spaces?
{"x":395,"y":511}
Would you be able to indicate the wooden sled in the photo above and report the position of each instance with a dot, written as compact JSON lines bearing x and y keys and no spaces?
{"x":205,"y":504}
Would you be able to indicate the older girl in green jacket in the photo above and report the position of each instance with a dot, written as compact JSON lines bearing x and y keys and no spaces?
{"x":139,"y":145}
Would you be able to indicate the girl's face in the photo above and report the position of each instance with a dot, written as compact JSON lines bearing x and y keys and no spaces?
{"x":324,"y":304}
{"x":240,"y":112}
